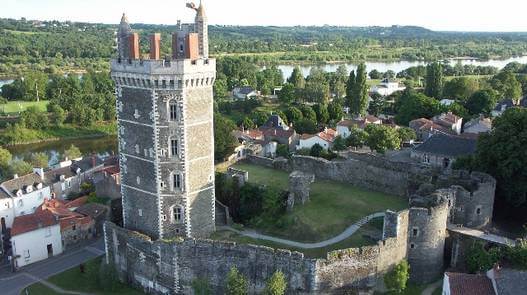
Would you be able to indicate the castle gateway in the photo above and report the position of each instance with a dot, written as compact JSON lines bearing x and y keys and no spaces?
{"x":165,"y":129}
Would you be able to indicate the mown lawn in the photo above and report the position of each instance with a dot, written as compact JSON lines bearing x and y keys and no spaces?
{"x":15,"y":107}
{"x":74,"y":280}
{"x":333,"y":206}
{"x":363,"y":237}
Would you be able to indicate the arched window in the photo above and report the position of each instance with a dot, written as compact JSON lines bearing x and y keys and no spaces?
{"x":173,"y":110}
{"x":177,"y":181}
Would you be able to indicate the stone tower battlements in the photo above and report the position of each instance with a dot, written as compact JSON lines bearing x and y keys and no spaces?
{"x":165,"y":130}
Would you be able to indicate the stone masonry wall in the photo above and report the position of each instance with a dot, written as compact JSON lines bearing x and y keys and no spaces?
{"x":162,"y":267}
{"x":426,"y":238}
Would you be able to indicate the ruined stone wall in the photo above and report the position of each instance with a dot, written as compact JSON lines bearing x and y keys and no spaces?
{"x":474,"y":197}
{"x":365,"y":174}
{"x":162,"y":266}
{"x":364,"y":268}
{"x":166,"y":266}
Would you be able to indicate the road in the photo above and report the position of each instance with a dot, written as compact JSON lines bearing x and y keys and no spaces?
{"x":14,"y":283}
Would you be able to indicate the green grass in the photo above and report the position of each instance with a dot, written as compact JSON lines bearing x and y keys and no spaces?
{"x":15,"y":107}
{"x":74,"y":280}
{"x":361,"y":238}
{"x":333,"y":206}
{"x":38,"y":289}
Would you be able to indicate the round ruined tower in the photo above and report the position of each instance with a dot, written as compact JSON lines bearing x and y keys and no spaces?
{"x":426,"y":237}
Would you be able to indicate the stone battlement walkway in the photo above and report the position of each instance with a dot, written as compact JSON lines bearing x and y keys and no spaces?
{"x":481,"y":235}
{"x":342,"y":236}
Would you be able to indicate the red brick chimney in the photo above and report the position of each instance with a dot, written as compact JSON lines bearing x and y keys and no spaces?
{"x":134,"y":46}
{"x":155,"y":46}
{"x":192,"y":45}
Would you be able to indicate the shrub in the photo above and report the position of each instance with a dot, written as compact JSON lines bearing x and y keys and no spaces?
{"x":201,"y":286}
{"x":276,"y":284}
{"x":236,"y":283}
{"x":480,"y":259}
{"x":398,"y":277}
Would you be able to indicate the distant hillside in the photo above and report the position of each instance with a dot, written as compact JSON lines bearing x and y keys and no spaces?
{"x":65,"y":46}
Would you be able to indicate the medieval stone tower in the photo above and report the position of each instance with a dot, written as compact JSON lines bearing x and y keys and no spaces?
{"x":165,"y":126}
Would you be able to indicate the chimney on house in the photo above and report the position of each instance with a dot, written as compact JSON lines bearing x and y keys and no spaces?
{"x":134,"y":45}
{"x":15,"y":176}
{"x":39,"y":172}
{"x":155,"y":46}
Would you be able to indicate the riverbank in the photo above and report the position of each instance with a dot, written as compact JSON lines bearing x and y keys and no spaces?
{"x":24,"y":136}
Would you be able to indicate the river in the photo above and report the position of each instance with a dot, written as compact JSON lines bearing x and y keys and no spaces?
{"x":103,"y":146}
{"x":398,"y":66}
{"x":108,"y":145}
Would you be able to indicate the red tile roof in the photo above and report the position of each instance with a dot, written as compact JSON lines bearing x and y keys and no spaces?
{"x":361,"y":123}
{"x":327,"y":135}
{"x":277,"y":132}
{"x":31,"y":222}
{"x":467,"y":284}
{"x":62,"y":211}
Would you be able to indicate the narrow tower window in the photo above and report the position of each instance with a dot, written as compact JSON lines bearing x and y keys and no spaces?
{"x":177,"y":180}
{"x":174,"y":147}
{"x":173,"y":111}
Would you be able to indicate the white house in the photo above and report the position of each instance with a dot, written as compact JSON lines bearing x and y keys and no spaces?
{"x":387,"y":87}
{"x":450,"y":121}
{"x":325,"y":139}
{"x":22,"y":195}
{"x":35,"y":237}
{"x":344,"y":127}
{"x":244,"y":93}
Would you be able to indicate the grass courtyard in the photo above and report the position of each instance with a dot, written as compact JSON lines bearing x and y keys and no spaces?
{"x":333,"y":206}
{"x":74,"y":280}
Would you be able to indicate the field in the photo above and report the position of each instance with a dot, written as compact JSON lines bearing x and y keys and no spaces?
{"x":74,"y":280}
{"x":332,"y":207}
{"x":15,"y":107}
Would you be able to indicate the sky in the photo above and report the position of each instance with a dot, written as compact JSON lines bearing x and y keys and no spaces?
{"x":443,"y":15}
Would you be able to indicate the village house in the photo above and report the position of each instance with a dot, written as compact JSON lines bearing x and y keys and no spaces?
{"x":98,"y":213}
{"x":387,"y":87}
{"x":496,"y":281}
{"x":442,"y":150}
{"x":478,"y":125}
{"x":344,"y":127}
{"x":325,"y":139}
{"x":74,"y":226}
{"x":502,"y":106}
{"x":244,"y":93}
{"x":35,"y":237}
{"x":22,"y":195}
{"x":447,"y":123}
{"x":276,"y":130}
{"x":68,"y":178}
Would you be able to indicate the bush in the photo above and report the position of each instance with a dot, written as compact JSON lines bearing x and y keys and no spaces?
{"x":236,"y":283}
{"x":518,"y":255}
{"x":397,"y":278}
{"x":480,"y":259}
{"x":316,"y":150}
{"x":276,"y":285}
{"x":201,"y":286}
